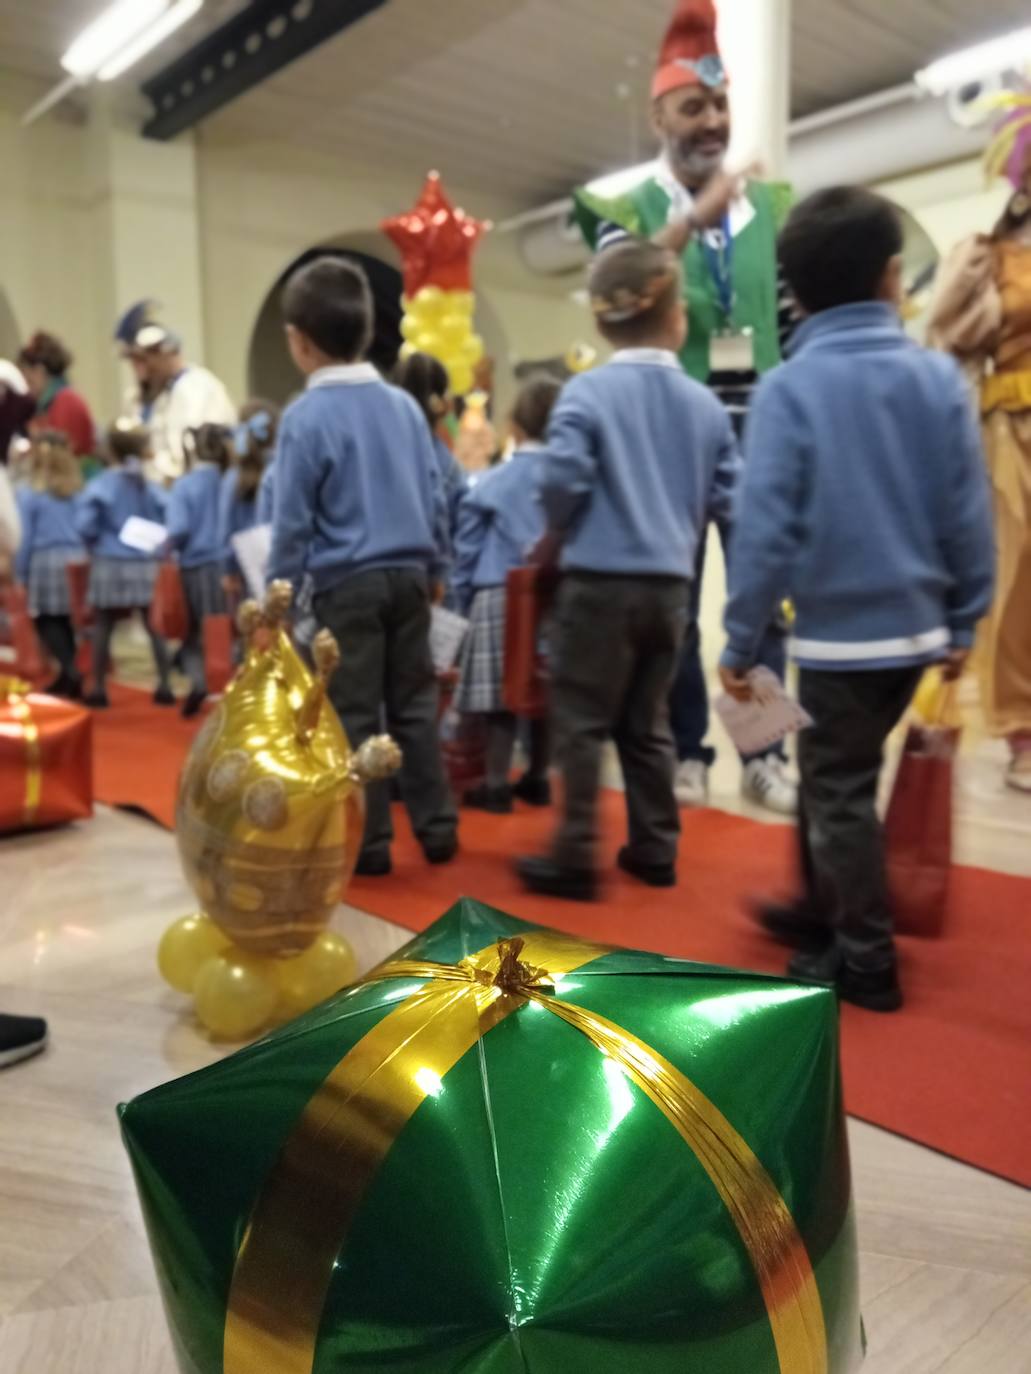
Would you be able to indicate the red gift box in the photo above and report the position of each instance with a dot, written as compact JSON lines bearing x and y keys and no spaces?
{"x":46,"y":759}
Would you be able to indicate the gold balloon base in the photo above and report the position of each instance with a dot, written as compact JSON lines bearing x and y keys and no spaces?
{"x":237,"y":994}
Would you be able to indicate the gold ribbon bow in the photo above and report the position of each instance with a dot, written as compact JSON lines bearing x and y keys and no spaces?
{"x":312,"y":1194}
{"x":13,"y":691}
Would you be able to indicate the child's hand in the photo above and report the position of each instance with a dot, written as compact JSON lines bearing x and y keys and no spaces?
{"x":736,"y":683}
{"x":545,"y":553}
{"x":954,"y":664}
{"x":437,"y":593}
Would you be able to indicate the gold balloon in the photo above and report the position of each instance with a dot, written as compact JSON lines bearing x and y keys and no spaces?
{"x":185,"y":947}
{"x":318,"y":973}
{"x":270,"y":811}
{"x":235,"y":994}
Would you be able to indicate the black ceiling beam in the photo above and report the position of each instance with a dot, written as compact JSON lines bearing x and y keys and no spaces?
{"x":242,"y":53}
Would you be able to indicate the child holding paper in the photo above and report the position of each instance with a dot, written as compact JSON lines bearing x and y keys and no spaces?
{"x":122,"y":577}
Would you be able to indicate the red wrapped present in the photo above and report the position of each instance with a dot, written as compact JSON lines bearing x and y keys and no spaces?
{"x":46,"y":759}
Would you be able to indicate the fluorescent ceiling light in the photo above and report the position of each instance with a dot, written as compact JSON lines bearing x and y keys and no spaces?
{"x":974,"y":64}
{"x":615,"y":183}
{"x":119,"y":24}
{"x":157,"y":33}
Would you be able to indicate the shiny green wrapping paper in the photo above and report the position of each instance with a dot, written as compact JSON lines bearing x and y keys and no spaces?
{"x":540,"y":1196}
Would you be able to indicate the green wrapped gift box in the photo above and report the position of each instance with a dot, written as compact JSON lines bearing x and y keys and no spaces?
{"x":508,"y":1151}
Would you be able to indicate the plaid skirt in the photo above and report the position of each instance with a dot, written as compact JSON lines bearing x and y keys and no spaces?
{"x":480,"y":686}
{"x":48,"y":580}
{"x":119,"y":584}
{"x":202,"y":587}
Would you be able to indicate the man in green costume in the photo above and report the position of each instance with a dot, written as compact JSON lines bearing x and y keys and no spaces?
{"x":725,"y":228}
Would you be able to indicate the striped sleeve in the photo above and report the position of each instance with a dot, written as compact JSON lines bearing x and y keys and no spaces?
{"x":610,"y":233}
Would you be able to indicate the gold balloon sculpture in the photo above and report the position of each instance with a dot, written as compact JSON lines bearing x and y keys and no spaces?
{"x":269,"y":822}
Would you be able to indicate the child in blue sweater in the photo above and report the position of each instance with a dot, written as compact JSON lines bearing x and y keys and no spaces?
{"x":638,"y":459}
{"x":121,"y":577}
{"x":426,"y":380}
{"x":194,"y":535}
{"x":499,"y":522}
{"x":864,"y":500}
{"x":254,"y":442}
{"x":358,"y":504}
{"x":50,"y":542}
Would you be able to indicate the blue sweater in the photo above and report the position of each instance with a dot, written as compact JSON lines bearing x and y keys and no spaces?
{"x":356,"y":484}
{"x":453,"y":478}
{"x":237,"y":513}
{"x":638,"y":459}
{"x":193,"y":517}
{"x":47,"y":522}
{"x":499,"y":521}
{"x":105,"y":505}
{"x":865,"y":500}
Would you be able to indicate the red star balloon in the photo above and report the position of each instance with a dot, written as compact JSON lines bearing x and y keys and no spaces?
{"x":436,"y":241}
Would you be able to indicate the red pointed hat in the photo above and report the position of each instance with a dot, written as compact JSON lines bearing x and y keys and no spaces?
{"x":690,"y":53}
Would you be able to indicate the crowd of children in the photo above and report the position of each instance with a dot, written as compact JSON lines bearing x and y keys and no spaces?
{"x":865,"y":502}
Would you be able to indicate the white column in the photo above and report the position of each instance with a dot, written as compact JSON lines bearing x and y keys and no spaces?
{"x":755,"y":39}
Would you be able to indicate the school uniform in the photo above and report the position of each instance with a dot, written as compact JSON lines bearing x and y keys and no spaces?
{"x":194,"y":534}
{"x":236,"y":513}
{"x":121,"y":577}
{"x":358,"y":505}
{"x":865,"y":500}
{"x":499,"y":521}
{"x":50,"y":543}
{"x":638,"y":459}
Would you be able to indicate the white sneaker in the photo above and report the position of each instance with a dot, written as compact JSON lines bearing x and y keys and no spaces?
{"x":691,"y":783}
{"x":763,"y":782}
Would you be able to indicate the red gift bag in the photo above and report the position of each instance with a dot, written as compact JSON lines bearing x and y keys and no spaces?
{"x":918,"y":831}
{"x":29,"y":660}
{"x":526,"y":681}
{"x":169,"y":614}
{"x":218,"y":651}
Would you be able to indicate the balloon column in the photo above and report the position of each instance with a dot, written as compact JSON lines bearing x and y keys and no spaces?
{"x":436,"y":243}
{"x":269,"y":821}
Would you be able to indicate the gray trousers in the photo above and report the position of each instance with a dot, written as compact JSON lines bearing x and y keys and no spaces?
{"x":381,"y":620}
{"x":840,"y":835}
{"x":616,"y":641}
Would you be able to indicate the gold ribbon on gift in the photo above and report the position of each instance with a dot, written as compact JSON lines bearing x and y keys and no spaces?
{"x":14,"y":692}
{"x":308,"y":1203}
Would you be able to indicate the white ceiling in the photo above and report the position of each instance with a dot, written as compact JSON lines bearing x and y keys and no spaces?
{"x":526,"y":96}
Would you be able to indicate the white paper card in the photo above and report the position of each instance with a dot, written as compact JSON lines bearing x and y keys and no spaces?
{"x":252,"y":549}
{"x":769,"y":717}
{"x":447,"y":634}
{"x":146,"y":535}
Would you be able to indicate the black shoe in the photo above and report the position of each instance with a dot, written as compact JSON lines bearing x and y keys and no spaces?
{"x":64,"y":685}
{"x":373,"y":866}
{"x":655,"y":875}
{"x":873,"y":989}
{"x":164,"y":696}
{"x":794,"y":924}
{"x":496,"y":800}
{"x":533,"y":790}
{"x":543,"y":875}
{"x":193,"y":703}
{"x":441,"y":851}
{"x":97,"y":699}
{"x":20,"y":1038}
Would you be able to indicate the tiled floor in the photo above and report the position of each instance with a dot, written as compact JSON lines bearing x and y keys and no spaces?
{"x":946,"y":1250}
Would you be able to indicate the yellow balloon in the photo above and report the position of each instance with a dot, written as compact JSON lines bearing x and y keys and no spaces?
{"x":429,"y":341}
{"x":318,"y":973}
{"x":429,"y":303}
{"x":270,"y":810}
{"x":454,"y":329}
{"x":410,"y":326}
{"x":472,"y":350}
{"x":235,"y":994}
{"x":408,"y":350}
{"x":461,"y":375}
{"x":464,"y":302}
{"x":185,"y":947}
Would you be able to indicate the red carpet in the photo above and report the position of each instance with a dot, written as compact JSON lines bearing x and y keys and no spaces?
{"x":951,"y":1070}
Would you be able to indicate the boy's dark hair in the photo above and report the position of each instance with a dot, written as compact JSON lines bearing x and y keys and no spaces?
{"x":632,"y":286}
{"x":426,"y":380}
{"x":330,"y":301}
{"x":534,"y":404}
{"x":46,"y":350}
{"x":836,"y":246}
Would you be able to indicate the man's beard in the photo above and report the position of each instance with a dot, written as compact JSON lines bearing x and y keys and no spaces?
{"x":694,"y":165}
